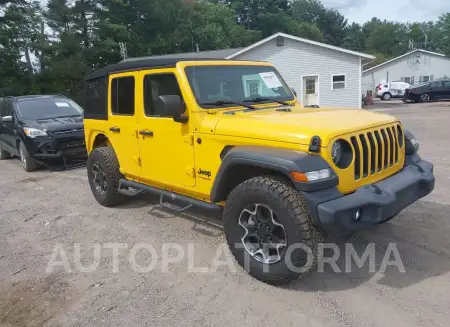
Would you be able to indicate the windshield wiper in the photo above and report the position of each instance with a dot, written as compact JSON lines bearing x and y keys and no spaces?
{"x":262,"y":99}
{"x":225,"y":102}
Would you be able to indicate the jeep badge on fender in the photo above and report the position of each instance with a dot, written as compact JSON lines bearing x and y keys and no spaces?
{"x":283,"y":175}
{"x":204,"y":172}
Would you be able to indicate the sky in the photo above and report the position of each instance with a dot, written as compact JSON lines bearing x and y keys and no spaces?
{"x":360,"y":11}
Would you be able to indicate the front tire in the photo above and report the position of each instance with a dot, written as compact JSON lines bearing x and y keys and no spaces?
{"x":270,"y":232}
{"x":28,"y":162}
{"x":104,"y":175}
{"x":387,"y":96}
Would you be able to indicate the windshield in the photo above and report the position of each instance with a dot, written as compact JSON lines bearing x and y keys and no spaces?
{"x":42,"y":108}
{"x":216,"y":86}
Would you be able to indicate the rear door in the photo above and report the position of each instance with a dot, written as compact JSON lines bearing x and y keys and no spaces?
{"x":167,"y":147}
{"x":437,"y":90}
{"x":447,"y":90}
{"x":123,"y":121}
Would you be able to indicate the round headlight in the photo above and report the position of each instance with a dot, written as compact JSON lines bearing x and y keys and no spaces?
{"x":342,"y":153}
{"x":336,"y":152}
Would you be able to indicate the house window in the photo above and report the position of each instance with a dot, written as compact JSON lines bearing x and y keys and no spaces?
{"x":407,"y":80}
{"x":338,"y":82}
{"x":310,"y":87}
{"x":424,"y":79}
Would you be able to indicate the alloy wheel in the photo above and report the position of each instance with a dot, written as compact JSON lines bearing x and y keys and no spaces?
{"x":265,"y":238}
{"x":99,"y":178}
{"x":425,"y":98}
{"x":23,"y":158}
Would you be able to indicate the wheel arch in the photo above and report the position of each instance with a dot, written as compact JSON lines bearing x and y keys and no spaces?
{"x":244,"y":162}
{"x":99,"y":139}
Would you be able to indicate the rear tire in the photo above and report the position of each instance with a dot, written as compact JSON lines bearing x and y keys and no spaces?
{"x":387,"y":96}
{"x":28,"y":162}
{"x":245,"y":230}
{"x":104,"y":175}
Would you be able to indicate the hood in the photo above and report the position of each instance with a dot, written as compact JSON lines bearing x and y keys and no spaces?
{"x":300,"y":125}
{"x":57,"y":124}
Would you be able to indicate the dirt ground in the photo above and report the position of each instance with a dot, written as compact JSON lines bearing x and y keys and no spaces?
{"x":40,"y":210}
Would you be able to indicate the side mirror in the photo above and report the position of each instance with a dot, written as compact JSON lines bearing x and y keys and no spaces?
{"x":293,"y":91}
{"x":172,"y":106}
{"x":6,"y":119}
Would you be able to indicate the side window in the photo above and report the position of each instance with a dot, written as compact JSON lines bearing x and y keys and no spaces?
{"x":2,"y":108}
{"x":436,"y":84}
{"x":447,"y":84}
{"x":122,"y":96}
{"x":9,"y":110}
{"x":156,"y":85}
{"x":95,"y":106}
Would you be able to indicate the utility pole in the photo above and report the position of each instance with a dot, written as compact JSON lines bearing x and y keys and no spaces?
{"x":123,"y":50}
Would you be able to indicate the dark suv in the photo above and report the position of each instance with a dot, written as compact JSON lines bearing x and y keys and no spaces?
{"x":41,"y":128}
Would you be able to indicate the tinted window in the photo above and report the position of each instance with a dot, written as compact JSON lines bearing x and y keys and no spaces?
{"x":436,"y":84}
{"x":236,"y":83}
{"x":41,"y":108}
{"x":95,"y":99}
{"x":2,"y":108}
{"x":447,"y":84}
{"x":156,"y":85}
{"x":122,"y":96}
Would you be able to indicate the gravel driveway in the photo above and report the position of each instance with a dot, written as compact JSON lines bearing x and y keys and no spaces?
{"x":40,"y":211}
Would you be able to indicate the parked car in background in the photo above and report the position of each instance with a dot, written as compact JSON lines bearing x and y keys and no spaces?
{"x":391,"y":90}
{"x":41,"y":128}
{"x":430,"y":91}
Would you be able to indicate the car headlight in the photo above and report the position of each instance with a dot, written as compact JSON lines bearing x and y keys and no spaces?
{"x":33,"y":132}
{"x":341,"y":153}
{"x":336,"y":152}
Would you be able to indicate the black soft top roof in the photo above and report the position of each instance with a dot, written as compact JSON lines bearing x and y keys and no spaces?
{"x":140,"y":64}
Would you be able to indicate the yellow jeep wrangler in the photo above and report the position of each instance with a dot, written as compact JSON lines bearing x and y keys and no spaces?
{"x":231,"y":135}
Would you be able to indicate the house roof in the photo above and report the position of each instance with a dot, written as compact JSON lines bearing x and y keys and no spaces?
{"x":404,"y":55}
{"x":213,"y":54}
{"x":299,"y":39}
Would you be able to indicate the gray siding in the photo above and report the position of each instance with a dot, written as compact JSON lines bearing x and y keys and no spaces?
{"x":297,"y":59}
{"x":408,"y":67}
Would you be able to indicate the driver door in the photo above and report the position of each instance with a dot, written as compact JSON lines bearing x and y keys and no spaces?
{"x":166,"y":146}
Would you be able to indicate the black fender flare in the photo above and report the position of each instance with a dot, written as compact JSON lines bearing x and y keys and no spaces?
{"x":281,"y":161}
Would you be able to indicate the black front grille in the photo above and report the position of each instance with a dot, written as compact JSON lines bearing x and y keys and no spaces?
{"x":71,"y":144}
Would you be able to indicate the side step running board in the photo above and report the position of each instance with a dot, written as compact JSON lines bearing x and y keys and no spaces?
{"x":124,"y":184}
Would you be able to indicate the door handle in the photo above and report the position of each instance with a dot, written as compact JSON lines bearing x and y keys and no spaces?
{"x":115,"y":129}
{"x":146,"y":132}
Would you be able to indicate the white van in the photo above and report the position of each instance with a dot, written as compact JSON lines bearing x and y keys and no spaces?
{"x":391,"y":90}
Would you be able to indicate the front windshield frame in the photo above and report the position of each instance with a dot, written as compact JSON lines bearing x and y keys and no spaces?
{"x":75,"y":109}
{"x":288,"y":96}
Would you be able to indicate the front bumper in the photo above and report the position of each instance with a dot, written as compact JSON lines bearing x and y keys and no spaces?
{"x":376,"y":203}
{"x":48,"y":148}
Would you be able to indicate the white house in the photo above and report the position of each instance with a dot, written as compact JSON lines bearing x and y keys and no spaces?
{"x":321,"y":74}
{"x":414,"y":67}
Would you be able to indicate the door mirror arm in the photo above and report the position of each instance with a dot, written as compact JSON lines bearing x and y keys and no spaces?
{"x":181,"y":119}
